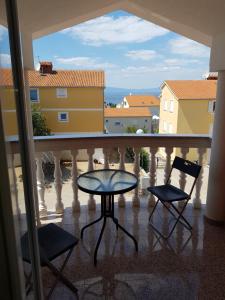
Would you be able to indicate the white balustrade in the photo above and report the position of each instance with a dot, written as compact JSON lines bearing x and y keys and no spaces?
{"x":56,"y":144}
{"x":152,"y":176}
{"x":58,"y":182}
{"x":183,"y":176}
{"x":91,"y":200}
{"x":136,"y":200}
{"x":106,"y":152}
{"x":197,"y":199}
{"x":14,"y":184}
{"x":74,"y":171}
{"x":169,"y":151}
{"x":122,"y":151}
{"x":41,"y":185}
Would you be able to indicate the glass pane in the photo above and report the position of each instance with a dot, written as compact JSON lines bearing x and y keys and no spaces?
{"x":13,"y":223}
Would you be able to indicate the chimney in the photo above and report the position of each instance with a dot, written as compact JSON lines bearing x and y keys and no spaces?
{"x":211,"y":76}
{"x":45,"y":67}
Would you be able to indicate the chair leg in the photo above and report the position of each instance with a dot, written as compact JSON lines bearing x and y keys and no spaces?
{"x":188,"y":225}
{"x":180,"y":216}
{"x":28,"y":283}
{"x":153,"y":210}
{"x":60,"y":276}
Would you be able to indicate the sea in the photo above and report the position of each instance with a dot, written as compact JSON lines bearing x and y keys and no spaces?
{"x":115,"y":95}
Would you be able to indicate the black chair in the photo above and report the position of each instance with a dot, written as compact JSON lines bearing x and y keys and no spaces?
{"x":168,"y":194}
{"x":53,"y":241}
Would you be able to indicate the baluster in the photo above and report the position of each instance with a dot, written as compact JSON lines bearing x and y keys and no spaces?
{"x":197,"y":200}
{"x":76,"y":202}
{"x":169,"y":151}
{"x":183,"y":176}
{"x":58,"y":183}
{"x":152,"y":175}
{"x":41,"y":185}
{"x":91,"y":200}
{"x":106,"y":152}
{"x":14,"y":185}
{"x":121,"y":199}
{"x":136,"y":200}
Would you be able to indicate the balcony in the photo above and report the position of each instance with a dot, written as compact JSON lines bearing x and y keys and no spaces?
{"x":160,"y":270}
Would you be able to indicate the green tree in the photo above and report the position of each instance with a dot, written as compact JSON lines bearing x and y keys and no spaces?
{"x":40,"y":127}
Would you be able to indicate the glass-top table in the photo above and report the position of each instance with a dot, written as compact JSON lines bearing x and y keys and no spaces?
{"x":107,"y":183}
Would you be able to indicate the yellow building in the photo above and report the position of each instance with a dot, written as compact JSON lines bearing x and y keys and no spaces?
{"x":187,"y":107}
{"x":71,"y":101}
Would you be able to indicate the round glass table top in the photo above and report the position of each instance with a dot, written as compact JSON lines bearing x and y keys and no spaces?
{"x":107,"y":181}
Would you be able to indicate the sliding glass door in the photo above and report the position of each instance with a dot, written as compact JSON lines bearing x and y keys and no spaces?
{"x":17,"y":183}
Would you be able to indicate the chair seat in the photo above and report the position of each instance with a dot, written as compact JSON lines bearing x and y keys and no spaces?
{"x":53,"y":241}
{"x":168,"y":193}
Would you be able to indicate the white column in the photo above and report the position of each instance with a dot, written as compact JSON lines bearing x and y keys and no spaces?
{"x":76,"y":202}
{"x":121,"y":199}
{"x":169,"y":151}
{"x":136,"y":200}
{"x":91,"y":200}
{"x":106,"y":152}
{"x":58,"y":183}
{"x":27,"y":48}
{"x":197,"y":200}
{"x":215,"y":205}
{"x":152,"y":174}
{"x":183,"y":176}
{"x":41,"y":185}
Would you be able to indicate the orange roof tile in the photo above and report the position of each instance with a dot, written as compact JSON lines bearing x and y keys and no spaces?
{"x":193,"y":89}
{"x":142,"y":100}
{"x":127,"y":112}
{"x":61,"y":78}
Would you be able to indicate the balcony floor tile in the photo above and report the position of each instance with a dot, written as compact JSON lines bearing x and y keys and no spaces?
{"x":186,"y":267}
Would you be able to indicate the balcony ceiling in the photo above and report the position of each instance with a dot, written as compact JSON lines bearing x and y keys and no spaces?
{"x":199,"y":20}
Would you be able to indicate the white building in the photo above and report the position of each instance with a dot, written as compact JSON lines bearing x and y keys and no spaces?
{"x":118,"y":119}
{"x":149,"y":101}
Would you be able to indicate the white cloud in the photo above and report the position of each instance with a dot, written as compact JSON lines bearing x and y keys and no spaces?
{"x":5,"y":59}
{"x":141,"y":54}
{"x":3,"y":31}
{"x":111,"y":30}
{"x":184,"y":46}
{"x":84,"y":62}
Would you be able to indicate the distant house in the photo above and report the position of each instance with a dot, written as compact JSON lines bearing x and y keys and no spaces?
{"x":187,"y":107}
{"x":72,"y":101}
{"x":118,"y":119}
{"x":149,"y":101}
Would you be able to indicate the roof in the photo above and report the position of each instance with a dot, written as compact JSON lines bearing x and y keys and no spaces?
{"x":59,"y":78}
{"x":142,"y":100}
{"x":127,"y":112}
{"x":193,"y":89}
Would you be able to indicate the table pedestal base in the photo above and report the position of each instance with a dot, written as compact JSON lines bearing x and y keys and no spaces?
{"x":107,"y":211}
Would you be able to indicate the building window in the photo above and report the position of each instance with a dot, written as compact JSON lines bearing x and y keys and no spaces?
{"x":164,"y":126}
{"x":117,"y":123}
{"x":171,"y":106}
{"x":165,"y":105}
{"x":212,"y":106}
{"x":34,"y":95}
{"x":61,"y":93}
{"x":170,"y":128}
{"x":63,"y":116}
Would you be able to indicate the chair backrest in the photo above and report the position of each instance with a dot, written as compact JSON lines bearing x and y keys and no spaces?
{"x":186,"y":166}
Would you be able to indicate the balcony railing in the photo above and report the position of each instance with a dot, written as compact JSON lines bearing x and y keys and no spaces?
{"x":153,"y":143}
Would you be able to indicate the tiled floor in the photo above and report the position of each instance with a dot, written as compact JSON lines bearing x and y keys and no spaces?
{"x":185,"y":267}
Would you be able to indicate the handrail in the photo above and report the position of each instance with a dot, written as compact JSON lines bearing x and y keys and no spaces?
{"x":77,"y":141}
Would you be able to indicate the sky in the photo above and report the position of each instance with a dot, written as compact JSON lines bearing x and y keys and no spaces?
{"x":133,"y":52}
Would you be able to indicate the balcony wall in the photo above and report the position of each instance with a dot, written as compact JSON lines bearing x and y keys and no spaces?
{"x":57,"y":145}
